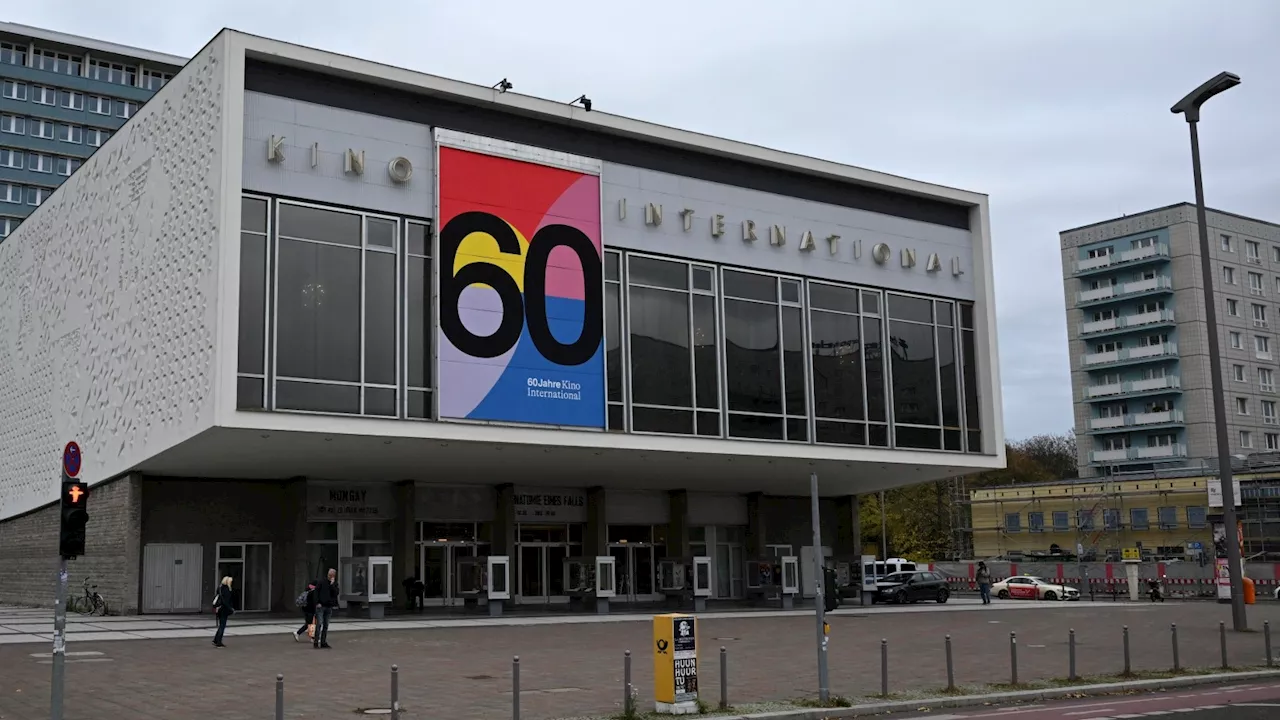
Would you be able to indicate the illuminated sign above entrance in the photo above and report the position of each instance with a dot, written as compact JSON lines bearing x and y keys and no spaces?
{"x":805,"y":241}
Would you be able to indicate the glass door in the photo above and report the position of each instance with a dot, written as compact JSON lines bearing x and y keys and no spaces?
{"x":438,"y":570}
{"x":249,"y":567}
{"x":540,"y":554}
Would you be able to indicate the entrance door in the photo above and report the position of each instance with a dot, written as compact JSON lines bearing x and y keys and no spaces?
{"x":634,"y":572}
{"x":171,"y":578}
{"x":249,"y":567}
{"x":438,"y":567}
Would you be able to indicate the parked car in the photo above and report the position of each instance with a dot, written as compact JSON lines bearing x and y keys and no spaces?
{"x":905,"y":587}
{"x":1026,"y":587}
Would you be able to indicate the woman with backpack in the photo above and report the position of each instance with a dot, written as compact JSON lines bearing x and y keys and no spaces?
{"x":223,"y":606}
{"x":306,"y":601}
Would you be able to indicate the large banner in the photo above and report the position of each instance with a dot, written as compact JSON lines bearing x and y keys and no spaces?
{"x":521,"y":292}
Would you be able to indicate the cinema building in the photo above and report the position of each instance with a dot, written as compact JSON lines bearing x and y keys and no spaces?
{"x":307,"y":311}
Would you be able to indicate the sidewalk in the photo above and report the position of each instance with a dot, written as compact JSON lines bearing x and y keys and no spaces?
{"x":574,"y":669}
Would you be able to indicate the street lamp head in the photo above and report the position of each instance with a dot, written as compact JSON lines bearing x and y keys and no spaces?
{"x":1190,"y":105}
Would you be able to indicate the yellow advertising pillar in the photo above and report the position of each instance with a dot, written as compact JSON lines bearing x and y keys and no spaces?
{"x":675,"y":664}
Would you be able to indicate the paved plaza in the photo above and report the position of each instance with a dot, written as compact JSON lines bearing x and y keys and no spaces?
{"x":572,"y":665}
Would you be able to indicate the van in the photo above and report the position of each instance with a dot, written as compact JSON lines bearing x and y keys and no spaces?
{"x":877,"y":570}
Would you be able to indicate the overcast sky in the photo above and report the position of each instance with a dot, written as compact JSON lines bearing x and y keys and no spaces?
{"x":1057,"y":109}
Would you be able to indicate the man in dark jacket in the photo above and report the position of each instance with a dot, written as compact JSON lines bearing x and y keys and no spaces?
{"x":326,"y":594}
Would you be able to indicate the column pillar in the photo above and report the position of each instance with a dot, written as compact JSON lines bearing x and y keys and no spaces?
{"x":595,"y":539}
{"x":848,"y":528}
{"x":757,"y":535}
{"x":504,"y":521}
{"x":404,"y":533}
{"x":296,"y":550}
{"x":678,"y":530}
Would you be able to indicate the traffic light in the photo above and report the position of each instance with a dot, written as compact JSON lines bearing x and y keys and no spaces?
{"x":75,"y":515}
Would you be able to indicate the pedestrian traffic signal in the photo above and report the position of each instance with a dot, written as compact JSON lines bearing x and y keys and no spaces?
{"x":75,"y":516}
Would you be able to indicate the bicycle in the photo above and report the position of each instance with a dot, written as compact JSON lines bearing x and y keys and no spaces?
{"x":92,"y":603}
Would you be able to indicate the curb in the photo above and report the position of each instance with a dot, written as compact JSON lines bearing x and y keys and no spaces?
{"x":942,"y":703}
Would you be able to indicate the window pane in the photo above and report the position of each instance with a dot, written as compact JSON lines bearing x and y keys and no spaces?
{"x":611,"y":266}
{"x":380,"y":401}
{"x":904,"y":307}
{"x":750,"y":286}
{"x":248,"y":393}
{"x":663,"y":421}
{"x":316,"y":224}
{"x":916,"y":437}
{"x":616,"y":418}
{"x":317,"y":397}
{"x":709,"y":424}
{"x":253,"y":303}
{"x":948,"y":377}
{"x":319,"y":311}
{"x":660,"y":372}
{"x":797,"y":430}
{"x":972,"y":409}
{"x":793,"y":361}
{"x":662,"y":273}
{"x":873,"y":355}
{"x":613,"y":339}
{"x":837,"y":366}
{"x":419,"y":404}
{"x":828,"y":297}
{"x":841,"y":433}
{"x":253,"y":215}
{"x":380,"y":318}
{"x":755,"y":426}
{"x":381,"y":233}
{"x":419,"y":321}
{"x":753,"y":362}
{"x":705,"y":349}
{"x":915,"y":383}
{"x":416,"y":239}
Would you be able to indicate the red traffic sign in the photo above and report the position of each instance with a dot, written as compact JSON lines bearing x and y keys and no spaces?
{"x":71,"y":459}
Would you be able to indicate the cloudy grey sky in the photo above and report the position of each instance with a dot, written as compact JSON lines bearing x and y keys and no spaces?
{"x":1058,"y":109}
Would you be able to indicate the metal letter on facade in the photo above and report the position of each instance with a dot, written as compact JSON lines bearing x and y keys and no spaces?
{"x":652,"y":214}
{"x":400,"y":170}
{"x":833,"y":244}
{"x":315,"y":154}
{"x":353,"y":162}
{"x":880,"y":253}
{"x":717,"y":226}
{"x":806,"y":241}
{"x":687,"y":215}
{"x":622,"y":209}
{"x":908,"y":258}
{"x":749,"y":230}
{"x":275,"y":149}
{"x":934,"y":264}
{"x":777,"y":235}
{"x":955,"y":267}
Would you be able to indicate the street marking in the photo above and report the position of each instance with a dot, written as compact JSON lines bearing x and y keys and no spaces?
{"x":1089,"y":712}
{"x":78,"y":653}
{"x":1257,"y":705}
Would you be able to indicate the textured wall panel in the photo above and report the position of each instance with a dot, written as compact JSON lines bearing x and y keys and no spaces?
{"x":108,"y":298}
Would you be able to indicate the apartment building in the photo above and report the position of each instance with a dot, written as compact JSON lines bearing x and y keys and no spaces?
{"x":1138,"y":343}
{"x":61,"y":97}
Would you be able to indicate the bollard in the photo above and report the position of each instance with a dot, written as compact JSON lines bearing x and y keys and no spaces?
{"x":515,"y":688}
{"x":1266,"y":639}
{"x":395,"y":692}
{"x":1173,"y":628}
{"x":1071,"y":653}
{"x":724,"y":679}
{"x":279,"y":697}
{"x":1222,"y":638}
{"x":884,"y":667}
{"x":626,"y":684}
{"x":1013,"y":657}
{"x":1127,"y":670}
{"x":951,"y":670}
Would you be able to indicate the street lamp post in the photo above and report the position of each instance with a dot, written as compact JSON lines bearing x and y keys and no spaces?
{"x":1189,"y":107}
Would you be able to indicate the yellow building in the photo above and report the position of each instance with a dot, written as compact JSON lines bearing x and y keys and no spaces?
{"x":1165,"y":516}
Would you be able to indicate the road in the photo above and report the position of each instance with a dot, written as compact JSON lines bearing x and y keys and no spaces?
{"x":1250,"y":701}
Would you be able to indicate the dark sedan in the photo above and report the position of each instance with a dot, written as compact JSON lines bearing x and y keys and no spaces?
{"x":905,"y":587}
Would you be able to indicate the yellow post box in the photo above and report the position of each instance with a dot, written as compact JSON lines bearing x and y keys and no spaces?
{"x":675,"y":664}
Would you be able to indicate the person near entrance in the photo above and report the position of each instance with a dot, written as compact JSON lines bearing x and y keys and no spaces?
{"x":308,"y":610}
{"x":223,"y":606}
{"x":414,"y":592}
{"x":984,"y":583}
{"x":326,"y":597}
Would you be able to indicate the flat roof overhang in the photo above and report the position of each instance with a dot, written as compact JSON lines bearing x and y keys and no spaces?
{"x":472,"y":454}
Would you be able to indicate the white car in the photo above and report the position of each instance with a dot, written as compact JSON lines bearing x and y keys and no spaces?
{"x":1026,"y":587}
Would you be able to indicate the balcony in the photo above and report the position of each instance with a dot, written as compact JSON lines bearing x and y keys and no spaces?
{"x":1134,"y":387}
{"x":1176,"y":450}
{"x":1136,"y":256}
{"x":1167,"y":417}
{"x":1124,"y":290}
{"x":1127,"y":322}
{"x":1129,"y":355}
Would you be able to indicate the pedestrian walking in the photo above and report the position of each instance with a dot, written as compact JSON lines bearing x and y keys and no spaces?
{"x":326,"y":595}
{"x":306,"y":601}
{"x":223,"y":606}
{"x":984,"y":583}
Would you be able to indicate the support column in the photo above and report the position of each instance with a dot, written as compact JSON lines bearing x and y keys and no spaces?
{"x":595,"y":539}
{"x":131,"y":583}
{"x":296,"y":552}
{"x":756,"y":532}
{"x":404,"y":534}
{"x":848,"y":527}
{"x":504,"y":522}
{"x":678,"y":531}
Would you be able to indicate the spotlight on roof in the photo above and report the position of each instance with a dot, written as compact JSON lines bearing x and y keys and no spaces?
{"x":503,"y":85}
{"x":585,"y":101}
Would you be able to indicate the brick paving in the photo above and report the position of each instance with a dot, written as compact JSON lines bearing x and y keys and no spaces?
{"x":576,"y":670}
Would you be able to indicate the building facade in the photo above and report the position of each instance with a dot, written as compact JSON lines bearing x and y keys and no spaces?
{"x":61,"y":98}
{"x":1166,"y":515}
{"x":1138,"y":343}
{"x":304,"y":307}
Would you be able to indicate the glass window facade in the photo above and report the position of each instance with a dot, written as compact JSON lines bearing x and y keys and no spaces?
{"x":336,"y":316}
